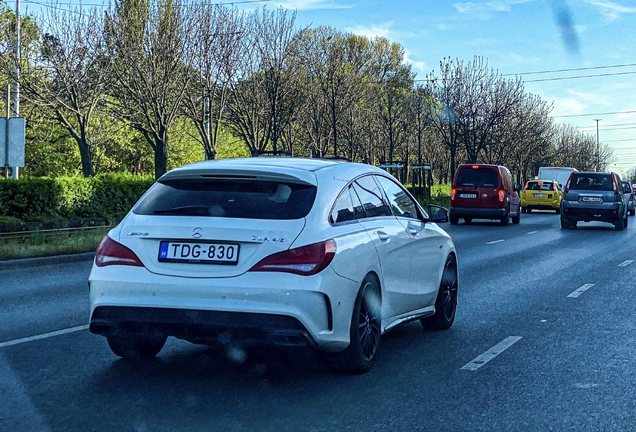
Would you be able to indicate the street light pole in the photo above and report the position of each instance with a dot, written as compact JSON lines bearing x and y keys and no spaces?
{"x":16,"y":89}
{"x":598,"y":147}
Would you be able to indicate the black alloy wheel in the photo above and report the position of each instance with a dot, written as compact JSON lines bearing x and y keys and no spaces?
{"x":446,"y":302}
{"x":365,"y":331}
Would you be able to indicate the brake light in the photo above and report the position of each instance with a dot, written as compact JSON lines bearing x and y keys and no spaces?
{"x":475,"y":166}
{"x":305,"y":261}
{"x":502,"y":194}
{"x":615,"y":184}
{"x":452,"y":194}
{"x":566,"y":189}
{"x":525,"y":186}
{"x":109,"y":252}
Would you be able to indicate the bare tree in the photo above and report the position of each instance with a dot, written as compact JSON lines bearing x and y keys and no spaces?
{"x":216,"y":43}
{"x":149,"y":43}
{"x":69,"y":74}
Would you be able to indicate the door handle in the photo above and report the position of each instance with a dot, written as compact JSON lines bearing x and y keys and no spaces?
{"x":382,"y":236}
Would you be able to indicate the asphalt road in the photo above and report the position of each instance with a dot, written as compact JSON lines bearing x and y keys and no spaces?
{"x":544,"y":340}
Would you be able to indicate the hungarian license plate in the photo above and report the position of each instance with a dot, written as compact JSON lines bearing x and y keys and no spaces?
{"x":199,"y":253}
{"x":465,"y":195}
{"x":591,"y":199}
{"x":539,"y":195}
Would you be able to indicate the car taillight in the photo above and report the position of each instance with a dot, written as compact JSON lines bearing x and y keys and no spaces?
{"x":525,"y":186}
{"x":109,"y":252}
{"x":615,"y":184}
{"x":502,"y":195}
{"x":305,"y":261}
{"x":566,"y":189}
{"x":452,"y":194}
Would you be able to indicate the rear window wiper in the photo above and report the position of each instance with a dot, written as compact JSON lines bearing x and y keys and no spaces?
{"x":197,"y":210}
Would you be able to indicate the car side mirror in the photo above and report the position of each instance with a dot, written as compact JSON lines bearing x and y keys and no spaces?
{"x":437,"y":213}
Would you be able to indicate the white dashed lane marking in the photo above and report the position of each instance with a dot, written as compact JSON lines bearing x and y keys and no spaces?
{"x":43,"y":336}
{"x":581,"y":290}
{"x":496,"y":241}
{"x":493,"y":352}
{"x":532,"y":232}
{"x":625,"y":263}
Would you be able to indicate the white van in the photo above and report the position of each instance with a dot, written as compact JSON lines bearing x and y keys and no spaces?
{"x":560,"y":174}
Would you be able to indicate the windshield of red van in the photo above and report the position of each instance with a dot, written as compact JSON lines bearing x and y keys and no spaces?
{"x":477,"y":177}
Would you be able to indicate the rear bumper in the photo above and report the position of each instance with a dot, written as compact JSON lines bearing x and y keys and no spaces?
{"x":280,"y":309}
{"x":611,"y":214}
{"x":540,"y":204}
{"x":200,"y":326}
{"x":478,"y":213}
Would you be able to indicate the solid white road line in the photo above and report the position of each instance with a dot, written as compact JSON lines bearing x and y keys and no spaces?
{"x":43,"y":336}
{"x":581,"y":290}
{"x":532,"y":232}
{"x":493,"y":352}
{"x":625,"y":263}
{"x":496,"y":241}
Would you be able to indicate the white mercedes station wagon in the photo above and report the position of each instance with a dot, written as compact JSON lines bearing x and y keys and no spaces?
{"x":274,"y":252}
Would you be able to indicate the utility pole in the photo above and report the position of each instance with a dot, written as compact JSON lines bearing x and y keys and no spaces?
{"x":16,"y":90}
{"x":598,"y":147}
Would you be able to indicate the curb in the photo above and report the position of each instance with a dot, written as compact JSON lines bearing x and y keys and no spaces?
{"x":44,"y":261}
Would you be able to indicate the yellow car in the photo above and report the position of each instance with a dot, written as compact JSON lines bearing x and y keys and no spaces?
{"x":541,"y":195}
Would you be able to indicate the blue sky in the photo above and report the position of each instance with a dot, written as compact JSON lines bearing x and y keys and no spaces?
{"x":516,"y":36}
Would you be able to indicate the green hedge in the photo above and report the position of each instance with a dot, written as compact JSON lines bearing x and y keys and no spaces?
{"x":42,"y":199}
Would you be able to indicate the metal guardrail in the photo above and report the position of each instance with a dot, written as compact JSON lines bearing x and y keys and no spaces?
{"x":22,"y":236}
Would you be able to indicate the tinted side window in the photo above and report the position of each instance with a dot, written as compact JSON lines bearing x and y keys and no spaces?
{"x":347,"y":207}
{"x":401,"y":204}
{"x":371,"y":197}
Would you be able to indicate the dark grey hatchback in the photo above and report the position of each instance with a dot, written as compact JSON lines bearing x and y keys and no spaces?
{"x":593,"y":196}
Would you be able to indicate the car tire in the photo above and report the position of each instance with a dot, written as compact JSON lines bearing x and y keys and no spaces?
{"x":565,"y":224}
{"x":454,"y":220}
{"x":504,"y":221}
{"x":136,"y":347}
{"x":632,"y":212}
{"x":626,"y":221}
{"x":619,"y":225}
{"x":557,"y":211}
{"x":524,"y":210}
{"x":365,"y":331}
{"x":529,"y":210}
{"x":446,"y":301}
{"x":468,"y":220}
{"x":517,"y":219}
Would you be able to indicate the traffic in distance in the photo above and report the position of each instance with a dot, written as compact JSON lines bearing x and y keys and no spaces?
{"x":307,"y":253}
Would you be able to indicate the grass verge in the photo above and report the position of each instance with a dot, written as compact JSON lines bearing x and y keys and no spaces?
{"x":38,"y":245}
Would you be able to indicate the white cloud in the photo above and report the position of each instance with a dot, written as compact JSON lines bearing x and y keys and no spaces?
{"x":377,"y":30}
{"x":595,"y":97}
{"x":312,"y":4}
{"x":612,"y":10}
{"x":419,"y":65}
{"x":568,"y":106}
{"x":521,"y":59}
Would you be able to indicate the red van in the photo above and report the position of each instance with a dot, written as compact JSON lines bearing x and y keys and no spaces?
{"x":481,"y":191}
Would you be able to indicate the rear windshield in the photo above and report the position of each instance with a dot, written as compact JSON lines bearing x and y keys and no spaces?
{"x":592,"y":181}
{"x":540,"y":186}
{"x":228,"y":198}
{"x":477,"y":177}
